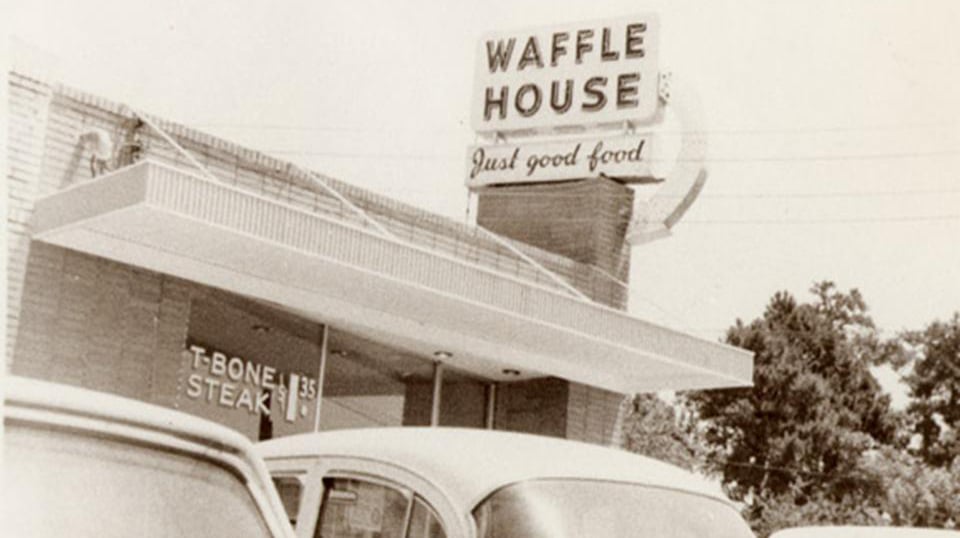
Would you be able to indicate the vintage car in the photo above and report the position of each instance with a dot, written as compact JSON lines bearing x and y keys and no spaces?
{"x":864,"y":532}
{"x":81,"y":463}
{"x":463,"y":483}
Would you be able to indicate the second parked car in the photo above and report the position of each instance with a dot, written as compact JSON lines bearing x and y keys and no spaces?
{"x":463,"y":483}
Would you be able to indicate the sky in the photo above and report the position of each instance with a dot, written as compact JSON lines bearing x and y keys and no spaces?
{"x":834,"y":127}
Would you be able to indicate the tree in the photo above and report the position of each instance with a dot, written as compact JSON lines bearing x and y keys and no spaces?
{"x":913,"y":494}
{"x":934,"y":383}
{"x":654,"y":428}
{"x":793,"y":442}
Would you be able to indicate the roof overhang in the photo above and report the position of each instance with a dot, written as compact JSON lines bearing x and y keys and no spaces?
{"x":174,"y":222}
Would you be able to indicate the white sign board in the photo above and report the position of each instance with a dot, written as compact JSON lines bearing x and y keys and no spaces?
{"x":622,"y":157}
{"x":572,"y":75}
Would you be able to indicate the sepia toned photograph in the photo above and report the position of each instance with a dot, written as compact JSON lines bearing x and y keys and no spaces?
{"x":481,"y":269}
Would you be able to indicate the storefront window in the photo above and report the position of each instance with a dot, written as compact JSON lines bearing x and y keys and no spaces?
{"x":250,"y":367}
{"x":257,"y":369}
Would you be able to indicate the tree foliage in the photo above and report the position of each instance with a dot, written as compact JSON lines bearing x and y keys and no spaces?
{"x":912,"y":493}
{"x":934,"y":382}
{"x":654,"y":428}
{"x":795,"y":439}
{"x":815,"y":441}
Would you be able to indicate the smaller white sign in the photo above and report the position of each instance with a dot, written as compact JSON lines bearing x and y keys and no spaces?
{"x":366,"y":513}
{"x":623,"y":157}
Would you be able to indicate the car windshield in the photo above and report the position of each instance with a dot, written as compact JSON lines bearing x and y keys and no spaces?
{"x":599,"y":509}
{"x":61,"y":483}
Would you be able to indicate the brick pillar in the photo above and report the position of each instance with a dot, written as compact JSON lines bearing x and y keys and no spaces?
{"x":537,"y":406}
{"x":463,"y":403}
{"x":592,"y":414}
{"x":547,"y":406}
{"x":583,"y":220}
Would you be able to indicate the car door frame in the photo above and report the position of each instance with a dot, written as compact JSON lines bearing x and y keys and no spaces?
{"x":313,"y":469}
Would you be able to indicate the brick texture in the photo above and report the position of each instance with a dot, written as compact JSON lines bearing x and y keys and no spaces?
{"x":463,"y":404}
{"x":28,"y":106}
{"x":97,"y":324}
{"x":536,"y":406}
{"x":91,"y":322}
{"x":592,"y":414}
{"x":583,"y":220}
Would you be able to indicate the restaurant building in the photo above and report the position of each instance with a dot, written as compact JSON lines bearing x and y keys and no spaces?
{"x":154,"y":261}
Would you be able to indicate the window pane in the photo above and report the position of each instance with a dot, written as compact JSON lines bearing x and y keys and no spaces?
{"x":424,"y":522}
{"x":290,"y":489}
{"x":68,"y":484}
{"x":357,"y":509}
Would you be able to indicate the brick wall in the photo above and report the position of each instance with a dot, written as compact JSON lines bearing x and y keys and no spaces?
{"x":592,"y":414}
{"x":97,"y":324}
{"x":87,"y":321}
{"x":60,"y":115}
{"x":547,"y":406}
{"x":29,"y":101}
{"x":586,"y":221}
{"x":463,"y":404}
{"x":536,"y":406}
{"x":75,"y":318}
{"x":583,"y":220}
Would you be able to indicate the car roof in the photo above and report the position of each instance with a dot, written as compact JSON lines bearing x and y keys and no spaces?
{"x":34,"y":393}
{"x":469,"y":464}
{"x":31,"y":401}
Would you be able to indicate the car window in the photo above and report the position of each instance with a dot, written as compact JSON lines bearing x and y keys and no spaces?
{"x":354,"y":508}
{"x":64,"y":483}
{"x":424,"y":522}
{"x":290,"y":489}
{"x":555,"y":507}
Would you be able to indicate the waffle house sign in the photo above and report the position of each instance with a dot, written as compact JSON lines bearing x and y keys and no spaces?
{"x":573,"y":75}
{"x":587,"y":100}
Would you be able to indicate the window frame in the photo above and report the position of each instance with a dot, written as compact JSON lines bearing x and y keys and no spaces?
{"x":406,"y":493}
{"x":455,"y":521}
{"x":300,"y":477}
{"x":430,"y":512}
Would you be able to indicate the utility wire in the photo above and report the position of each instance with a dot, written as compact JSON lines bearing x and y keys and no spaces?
{"x":717,"y":160}
{"x":852,"y":220}
{"x":865,"y":220}
{"x":724,"y":195}
{"x":749,"y":131}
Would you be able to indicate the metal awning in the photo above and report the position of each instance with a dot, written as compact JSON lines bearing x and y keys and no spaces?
{"x":169,"y":220}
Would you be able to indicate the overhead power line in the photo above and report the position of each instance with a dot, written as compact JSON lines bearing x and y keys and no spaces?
{"x":733,"y":195}
{"x":837,"y":194}
{"x":717,"y":160}
{"x":844,"y":220}
{"x":748,"y":131}
{"x":854,"y":220}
